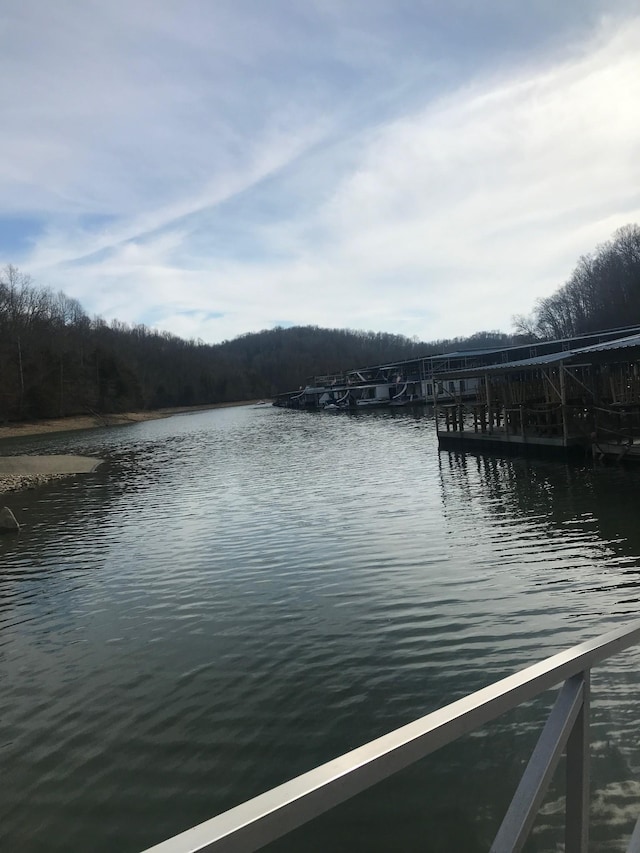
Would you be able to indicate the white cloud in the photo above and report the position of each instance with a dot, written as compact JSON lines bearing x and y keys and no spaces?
{"x":229,"y":187}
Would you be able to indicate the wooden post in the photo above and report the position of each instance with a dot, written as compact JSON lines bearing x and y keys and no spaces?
{"x":487,"y":387}
{"x":563,"y":406}
{"x":21,"y":407}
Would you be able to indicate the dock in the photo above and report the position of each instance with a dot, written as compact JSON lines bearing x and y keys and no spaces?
{"x":562,"y":397}
{"x":584,"y":400}
{"x":444,"y":377}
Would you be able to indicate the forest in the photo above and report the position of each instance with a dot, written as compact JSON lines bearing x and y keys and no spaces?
{"x":56,"y":361}
{"x":603,"y":292}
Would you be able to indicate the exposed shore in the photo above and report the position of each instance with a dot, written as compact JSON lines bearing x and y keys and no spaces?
{"x":75,"y":422}
{"x":18,"y":473}
{"x":27,"y":472}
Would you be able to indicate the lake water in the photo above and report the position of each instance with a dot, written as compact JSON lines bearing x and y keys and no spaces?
{"x":241,"y":594}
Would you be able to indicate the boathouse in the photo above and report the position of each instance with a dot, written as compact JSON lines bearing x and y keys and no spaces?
{"x":448,"y":377}
{"x":584,"y":399}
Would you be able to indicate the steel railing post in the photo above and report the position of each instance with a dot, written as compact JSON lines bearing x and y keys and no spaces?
{"x":524,"y":806}
{"x":578,"y":778}
{"x":267,"y":817}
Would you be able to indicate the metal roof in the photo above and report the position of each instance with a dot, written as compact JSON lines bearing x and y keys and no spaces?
{"x":506,"y":366}
{"x":618,"y":343}
{"x":470,"y":353}
{"x":543,"y":360}
{"x":615,"y":334}
{"x":466,"y":353}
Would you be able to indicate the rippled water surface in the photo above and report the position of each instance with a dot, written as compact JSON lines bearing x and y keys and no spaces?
{"x":238,"y":595}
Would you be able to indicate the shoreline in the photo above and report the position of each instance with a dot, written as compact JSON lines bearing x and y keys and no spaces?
{"x":82,"y":422}
{"x":18,"y":481}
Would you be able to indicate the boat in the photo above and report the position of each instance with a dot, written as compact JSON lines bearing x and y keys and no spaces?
{"x":374,"y":396}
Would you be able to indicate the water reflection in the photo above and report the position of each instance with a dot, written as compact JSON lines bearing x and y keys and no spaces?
{"x":583,"y":519}
{"x":572,"y":530}
{"x":239,"y":595}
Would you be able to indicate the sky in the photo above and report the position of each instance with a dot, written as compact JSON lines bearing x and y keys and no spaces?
{"x":217,"y":167}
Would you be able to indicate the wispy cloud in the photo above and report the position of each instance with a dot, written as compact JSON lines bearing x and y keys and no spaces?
{"x":215,"y":170}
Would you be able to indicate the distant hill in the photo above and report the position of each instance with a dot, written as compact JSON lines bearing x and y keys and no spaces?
{"x":56,"y":361}
{"x":283,"y":359}
{"x":280,"y":359}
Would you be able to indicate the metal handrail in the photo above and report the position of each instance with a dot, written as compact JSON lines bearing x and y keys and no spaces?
{"x":269,"y":816}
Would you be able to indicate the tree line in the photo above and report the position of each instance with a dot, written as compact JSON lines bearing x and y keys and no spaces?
{"x":603,"y":292}
{"x":55,"y":360}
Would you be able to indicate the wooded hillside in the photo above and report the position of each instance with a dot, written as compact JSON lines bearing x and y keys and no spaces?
{"x":55,"y":360}
{"x":603,"y":292}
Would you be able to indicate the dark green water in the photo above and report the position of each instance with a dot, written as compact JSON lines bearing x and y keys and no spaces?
{"x":239,"y":595}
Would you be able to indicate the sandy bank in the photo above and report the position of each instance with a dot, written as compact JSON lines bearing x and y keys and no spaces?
{"x":17,"y":430}
{"x":58,"y":464}
{"x":27,"y":472}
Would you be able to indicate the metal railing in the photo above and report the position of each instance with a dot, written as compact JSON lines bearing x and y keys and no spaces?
{"x":271,"y":815}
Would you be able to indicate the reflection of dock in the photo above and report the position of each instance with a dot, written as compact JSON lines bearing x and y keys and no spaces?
{"x":629,"y":451}
{"x":585,"y":399}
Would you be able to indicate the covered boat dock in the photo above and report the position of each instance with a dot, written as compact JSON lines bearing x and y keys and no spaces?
{"x":585,"y":399}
